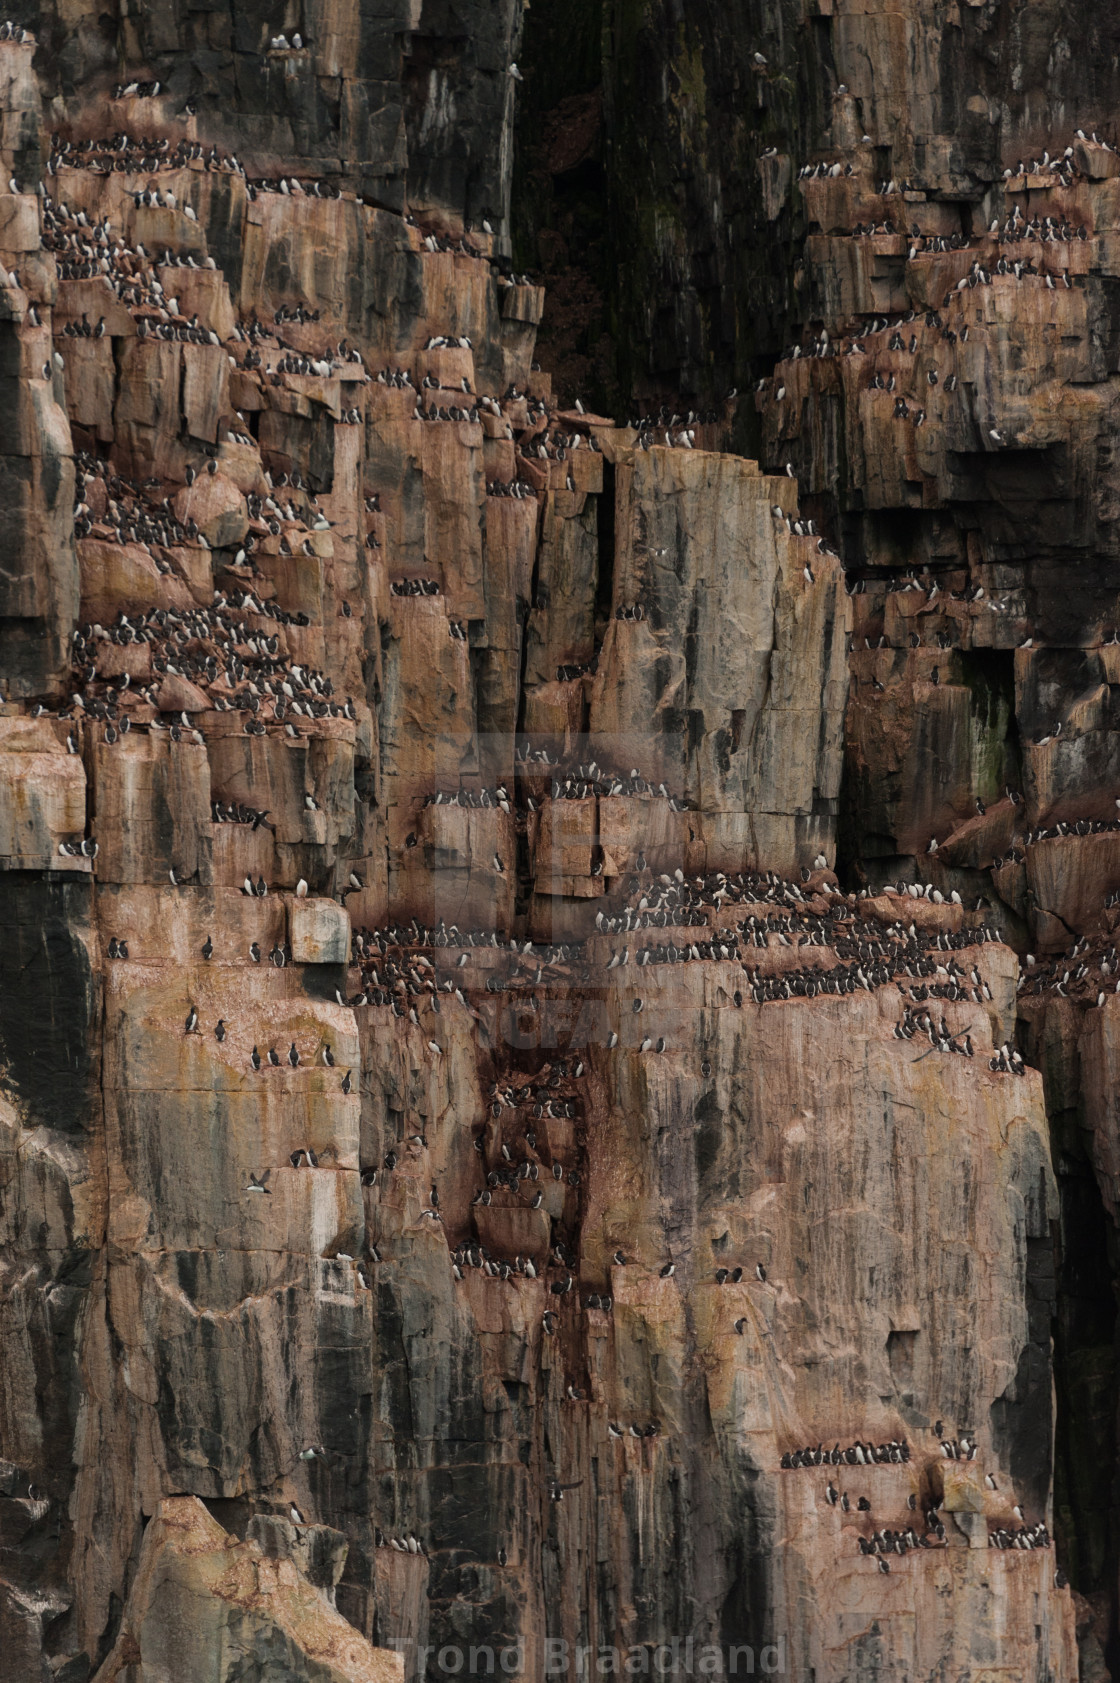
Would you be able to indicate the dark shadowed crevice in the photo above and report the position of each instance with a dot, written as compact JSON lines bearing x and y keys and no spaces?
{"x":604,"y":594}
{"x":1084,"y":1332}
{"x":559,"y":217}
{"x":1086,"y":1520}
{"x":48,"y":997}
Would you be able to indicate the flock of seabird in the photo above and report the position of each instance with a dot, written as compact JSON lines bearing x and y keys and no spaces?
{"x":407,"y":968}
{"x":880,"y":1542}
{"x":1088,"y":972}
{"x":243,"y":665}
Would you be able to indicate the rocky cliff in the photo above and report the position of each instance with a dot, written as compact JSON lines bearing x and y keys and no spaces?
{"x":615,"y":1158}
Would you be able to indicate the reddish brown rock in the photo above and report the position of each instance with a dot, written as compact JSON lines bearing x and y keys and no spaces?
{"x":199,"y":1596}
{"x":407,"y":1180}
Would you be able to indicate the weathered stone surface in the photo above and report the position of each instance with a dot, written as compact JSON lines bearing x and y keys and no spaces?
{"x":416,"y":1199}
{"x":204,"y":1605}
{"x":44,"y":796}
{"x":738,"y":667}
{"x":319,"y":932}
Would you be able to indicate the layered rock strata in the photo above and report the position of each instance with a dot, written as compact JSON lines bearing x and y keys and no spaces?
{"x":476,"y":1177}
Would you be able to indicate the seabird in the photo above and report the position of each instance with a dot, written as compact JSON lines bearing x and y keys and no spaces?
{"x":191,"y":1024}
{"x":257,"y":1184}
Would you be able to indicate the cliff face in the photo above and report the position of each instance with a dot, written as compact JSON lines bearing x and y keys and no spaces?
{"x":522,"y":1119}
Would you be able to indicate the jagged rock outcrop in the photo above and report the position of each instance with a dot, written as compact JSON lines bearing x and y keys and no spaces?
{"x":204,"y":1605}
{"x":448,"y":1089}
